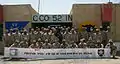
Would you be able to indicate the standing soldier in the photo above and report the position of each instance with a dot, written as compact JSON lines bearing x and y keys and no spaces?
{"x":32,"y":35}
{"x":7,"y":39}
{"x":25,"y":35}
{"x":45,"y":35}
{"x":53,"y":38}
{"x":11,"y":37}
{"x":97,"y":36}
{"x":66,"y":36}
{"x":90,"y":42}
{"x":17,"y":35}
{"x":113,"y":49}
{"x":84,"y":33}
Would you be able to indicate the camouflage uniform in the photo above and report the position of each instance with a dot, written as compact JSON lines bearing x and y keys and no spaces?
{"x":67,"y":37}
{"x":64,"y":44}
{"x":15,"y":44}
{"x":32,"y":36}
{"x":33,"y":44}
{"x":45,"y":36}
{"x":97,"y":36}
{"x":56,"y":45}
{"x":53,"y":38}
{"x":23,"y":44}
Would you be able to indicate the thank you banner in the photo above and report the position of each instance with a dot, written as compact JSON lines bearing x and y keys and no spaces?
{"x":57,"y":53}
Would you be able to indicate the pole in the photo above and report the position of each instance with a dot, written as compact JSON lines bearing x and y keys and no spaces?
{"x":38,"y":6}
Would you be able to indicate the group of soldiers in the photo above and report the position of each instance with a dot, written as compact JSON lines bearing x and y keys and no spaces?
{"x":60,"y":37}
{"x":57,"y":37}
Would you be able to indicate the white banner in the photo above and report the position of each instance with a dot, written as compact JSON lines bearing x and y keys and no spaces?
{"x":51,"y":18}
{"x":57,"y":53}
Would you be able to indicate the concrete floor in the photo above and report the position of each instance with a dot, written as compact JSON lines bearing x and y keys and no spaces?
{"x":67,"y":61}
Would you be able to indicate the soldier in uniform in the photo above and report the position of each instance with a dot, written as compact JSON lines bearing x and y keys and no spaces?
{"x":40,"y":43}
{"x":89,"y":42}
{"x":53,"y":38}
{"x":97,"y":36}
{"x":25,"y":35}
{"x":32,"y":35}
{"x":74,"y":36}
{"x":24,"y":44}
{"x":6,"y":39}
{"x":66,"y":36}
{"x":10,"y":37}
{"x":64,"y":44}
{"x":82,"y":43}
{"x":47,"y":45}
{"x":33,"y":44}
{"x":84,"y":33}
{"x":74,"y":45}
{"x":56,"y":44}
{"x":99,"y":44}
{"x":113,"y":48}
{"x":45,"y":35}
{"x":17,"y":35}
{"x":15,"y":44}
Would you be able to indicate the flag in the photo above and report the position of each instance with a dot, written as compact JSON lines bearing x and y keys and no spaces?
{"x":107,"y":12}
{"x":20,"y":25}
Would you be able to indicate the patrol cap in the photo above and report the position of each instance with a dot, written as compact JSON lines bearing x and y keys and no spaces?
{"x":90,"y":38}
{"x":22,"y":42}
{"x":101,"y":27}
{"x":34,"y":40}
{"x":39,"y":39}
{"x":25,"y":38}
{"x":36,"y":27}
{"x":108,"y":26}
{"x":25,"y":30}
{"x":46,"y":40}
{"x":32,"y":29}
{"x":98,"y":40}
{"x":81,"y":40}
{"x":110,"y":40}
{"x":97,"y":29}
{"x":63,"y":40}
{"x":85,"y":43}
{"x":17,"y":41}
{"x":72,"y":29}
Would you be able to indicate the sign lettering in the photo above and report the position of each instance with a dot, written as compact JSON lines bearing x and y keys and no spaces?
{"x":51,"y":18}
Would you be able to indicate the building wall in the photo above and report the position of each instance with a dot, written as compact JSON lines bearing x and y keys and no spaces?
{"x":18,"y":13}
{"x":92,"y":12}
{"x":117,"y":25}
{"x":86,"y":13}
